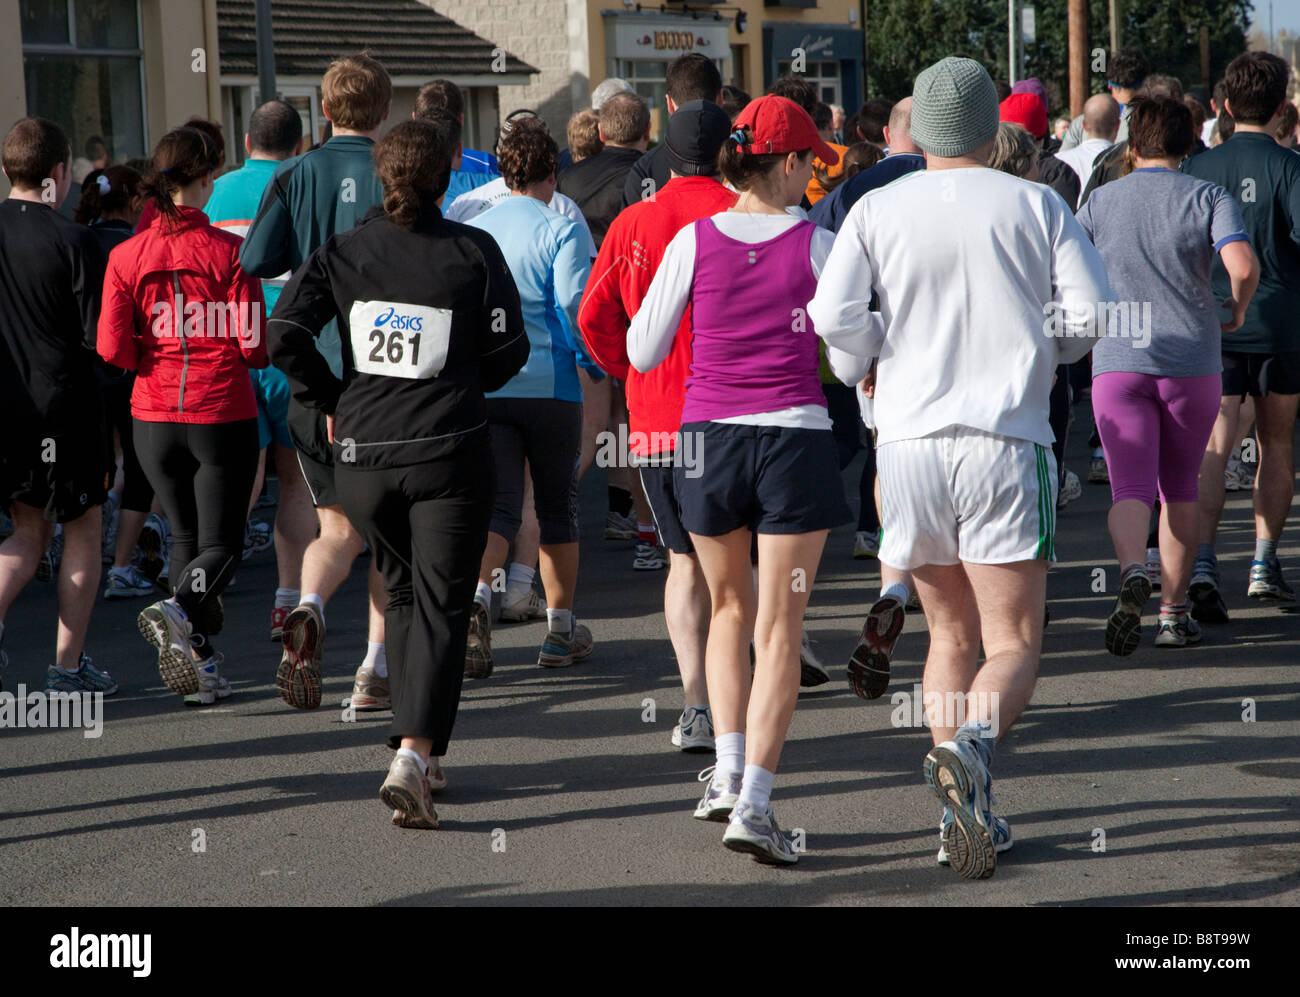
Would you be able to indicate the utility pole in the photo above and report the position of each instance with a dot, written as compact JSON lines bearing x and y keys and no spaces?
{"x":1114,"y":26}
{"x":1012,"y":28}
{"x":265,"y":53}
{"x":1078,"y":55}
{"x":1205,"y":56}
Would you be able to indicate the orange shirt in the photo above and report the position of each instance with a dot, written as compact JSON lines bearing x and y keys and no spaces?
{"x":815,"y":192}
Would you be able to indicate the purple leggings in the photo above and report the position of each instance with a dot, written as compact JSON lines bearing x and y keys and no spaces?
{"x":1154,"y":428}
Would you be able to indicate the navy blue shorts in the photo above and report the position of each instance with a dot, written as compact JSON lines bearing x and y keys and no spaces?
{"x":766,"y":478}
{"x":661,"y":492}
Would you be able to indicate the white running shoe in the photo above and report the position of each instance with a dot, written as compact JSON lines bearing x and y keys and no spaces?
{"x":1002,"y":840}
{"x":758,"y":835}
{"x":811,"y":671}
{"x":694,"y":730}
{"x":166,"y":627}
{"x":648,"y":558}
{"x":212,"y":684}
{"x":866,"y":545}
{"x":521,"y":605}
{"x":1153,"y":567}
{"x":721,"y":796}
{"x":1070,"y":490}
{"x":618,"y":527}
{"x":127,"y":583}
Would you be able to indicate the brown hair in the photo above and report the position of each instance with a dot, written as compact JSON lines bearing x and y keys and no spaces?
{"x":857,"y":157}
{"x":624,"y":119}
{"x":1160,"y":127}
{"x":214,"y":132}
{"x":744,"y":170}
{"x":1285,"y":132}
{"x":356,"y":91}
{"x":413,"y":162}
{"x":182,"y":156}
{"x":1197,"y":111}
{"x":439,"y":95}
{"x":583,"y":134}
{"x":114,"y":194}
{"x":33,"y":147}
{"x":527,"y":153}
{"x":1256,"y":83}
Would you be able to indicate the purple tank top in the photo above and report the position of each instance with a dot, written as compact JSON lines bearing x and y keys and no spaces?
{"x":753,"y":347}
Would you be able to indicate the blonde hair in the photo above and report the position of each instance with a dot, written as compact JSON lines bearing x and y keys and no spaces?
{"x":583,"y":133}
{"x":356,"y":91}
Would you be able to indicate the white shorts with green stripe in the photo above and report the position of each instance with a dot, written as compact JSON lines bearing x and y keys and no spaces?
{"x":965,"y":495}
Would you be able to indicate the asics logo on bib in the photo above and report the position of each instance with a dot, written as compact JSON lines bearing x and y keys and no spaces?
{"x":395,"y":321}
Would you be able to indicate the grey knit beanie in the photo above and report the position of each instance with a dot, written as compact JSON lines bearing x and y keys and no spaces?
{"x":954,"y":108}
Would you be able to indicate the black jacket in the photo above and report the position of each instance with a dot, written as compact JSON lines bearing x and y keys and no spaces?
{"x":596,"y":185}
{"x":1058,"y":175}
{"x":653,"y":165}
{"x":429,"y":319}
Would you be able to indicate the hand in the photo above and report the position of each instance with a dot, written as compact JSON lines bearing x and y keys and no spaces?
{"x":1238,"y":316}
{"x":868,"y":384}
{"x":329,"y":427}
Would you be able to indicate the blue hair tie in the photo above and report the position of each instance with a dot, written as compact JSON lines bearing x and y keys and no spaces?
{"x":739,"y":136}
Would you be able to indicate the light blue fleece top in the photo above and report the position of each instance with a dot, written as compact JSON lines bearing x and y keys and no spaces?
{"x":548,"y":258}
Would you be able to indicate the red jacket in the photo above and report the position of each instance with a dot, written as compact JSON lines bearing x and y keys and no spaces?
{"x":620,"y":279}
{"x":168,"y":281}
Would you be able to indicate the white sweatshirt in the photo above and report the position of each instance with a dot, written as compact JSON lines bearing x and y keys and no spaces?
{"x":654,"y":327}
{"x":986,"y":283}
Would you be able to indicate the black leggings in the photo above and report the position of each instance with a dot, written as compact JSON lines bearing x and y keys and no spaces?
{"x":1059,"y":417}
{"x":203,"y":475}
{"x":427,"y":524}
{"x":137,"y":495}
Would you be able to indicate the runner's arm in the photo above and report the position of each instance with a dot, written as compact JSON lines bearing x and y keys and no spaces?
{"x":305,"y":307}
{"x":115,"y":340}
{"x":654,"y":327}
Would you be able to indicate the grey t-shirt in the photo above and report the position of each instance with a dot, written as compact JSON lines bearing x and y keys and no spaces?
{"x":1158,"y":231}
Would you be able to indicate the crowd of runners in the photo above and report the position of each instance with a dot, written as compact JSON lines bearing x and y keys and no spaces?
{"x":428,"y":347}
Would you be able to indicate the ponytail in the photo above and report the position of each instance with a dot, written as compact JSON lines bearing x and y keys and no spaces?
{"x":744,"y":169}
{"x":107,"y":192}
{"x":182,"y":156}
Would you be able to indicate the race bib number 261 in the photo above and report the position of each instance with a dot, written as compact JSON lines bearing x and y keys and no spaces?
{"x":392,"y":339}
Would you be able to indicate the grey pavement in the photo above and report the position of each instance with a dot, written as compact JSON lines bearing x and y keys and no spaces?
{"x":1127,"y":781}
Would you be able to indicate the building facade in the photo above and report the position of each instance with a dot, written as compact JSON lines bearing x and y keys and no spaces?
{"x":577,"y":43}
{"x":125,"y":71}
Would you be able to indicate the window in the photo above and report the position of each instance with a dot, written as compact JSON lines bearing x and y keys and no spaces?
{"x":650,"y":80}
{"x":83,"y":68}
{"x":823,"y":74}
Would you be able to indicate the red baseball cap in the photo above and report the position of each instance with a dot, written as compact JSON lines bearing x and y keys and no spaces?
{"x":780,"y":125}
{"x":1025,"y":110}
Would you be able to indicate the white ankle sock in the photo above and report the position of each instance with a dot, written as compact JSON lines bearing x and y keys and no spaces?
{"x":519,"y":576}
{"x":731,"y":755}
{"x":314,"y":599}
{"x":424,"y":767}
{"x":756,"y":787}
{"x":483,"y":595}
{"x":376,"y":658}
{"x":287,"y":598}
{"x":559,"y":621}
{"x":898,"y":590}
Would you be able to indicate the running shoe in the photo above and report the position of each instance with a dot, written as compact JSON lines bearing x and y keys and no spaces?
{"x":1246,"y":475}
{"x":811,"y":671}
{"x":869,"y":663}
{"x":1232,"y":472}
{"x":1001,"y":835}
{"x":108,"y":545}
{"x":299,"y":676}
{"x":369,"y":691}
{"x":278,"y":615}
{"x":1153,"y":567}
{"x":48,"y":566}
{"x":866,"y":545}
{"x":437,"y":779}
{"x":1124,"y":628}
{"x":521,"y":605}
{"x":719,"y":798}
{"x":1177,"y":631}
{"x":127,"y":583}
{"x":758,"y":835}
{"x":166,"y":627}
{"x":212,"y":684}
{"x":1207,"y":603}
{"x":619,"y":527}
{"x":694,"y":730}
{"x":560,"y":651}
{"x":257,"y":538}
{"x":478,"y":645}
{"x":87,"y":678}
{"x":1098,"y":474}
{"x":406,"y":789}
{"x":959,"y":778}
{"x":1266,"y":582}
{"x":1070,"y":490}
{"x":155,"y":538}
{"x":648,"y":558}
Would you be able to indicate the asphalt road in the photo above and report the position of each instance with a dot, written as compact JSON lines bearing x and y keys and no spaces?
{"x":1128,"y":781}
